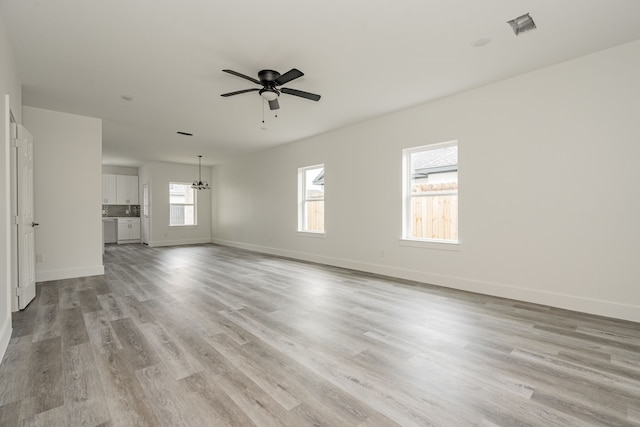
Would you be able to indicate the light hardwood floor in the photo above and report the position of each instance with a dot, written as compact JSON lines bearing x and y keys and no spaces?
{"x":207,"y":335}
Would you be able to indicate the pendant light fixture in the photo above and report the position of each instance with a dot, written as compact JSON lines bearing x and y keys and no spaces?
{"x":200,"y":184}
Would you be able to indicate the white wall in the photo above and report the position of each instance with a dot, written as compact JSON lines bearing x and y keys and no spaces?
{"x":549,"y":189}
{"x":9,"y":85}
{"x":68,"y":193}
{"x":159,"y":175}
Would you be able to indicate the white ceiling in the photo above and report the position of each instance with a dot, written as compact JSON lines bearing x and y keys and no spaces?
{"x":365,"y":57}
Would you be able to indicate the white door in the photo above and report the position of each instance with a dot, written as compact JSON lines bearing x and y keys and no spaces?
{"x":26,"y":290}
{"x":145,"y":213}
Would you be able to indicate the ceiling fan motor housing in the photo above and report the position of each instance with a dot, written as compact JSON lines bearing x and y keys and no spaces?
{"x":268,"y":77}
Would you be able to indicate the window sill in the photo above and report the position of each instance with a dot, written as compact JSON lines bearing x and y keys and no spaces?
{"x":431,"y":244}
{"x":183,"y":226}
{"x":315,"y":234}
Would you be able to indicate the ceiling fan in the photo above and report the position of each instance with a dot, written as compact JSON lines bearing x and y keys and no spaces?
{"x":269,"y":80}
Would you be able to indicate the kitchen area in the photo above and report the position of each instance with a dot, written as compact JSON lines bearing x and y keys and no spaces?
{"x":120,"y":208}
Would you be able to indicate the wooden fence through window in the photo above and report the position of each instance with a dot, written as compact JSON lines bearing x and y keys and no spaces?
{"x":434,"y":217}
{"x":315,"y":215}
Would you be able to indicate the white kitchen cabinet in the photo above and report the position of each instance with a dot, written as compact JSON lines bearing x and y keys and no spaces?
{"x":119,"y":189}
{"x":128,"y":230}
{"x":108,"y":189}
{"x":126,"y":190}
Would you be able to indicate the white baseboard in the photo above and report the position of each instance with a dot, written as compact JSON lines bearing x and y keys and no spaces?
{"x":69,"y":273}
{"x":179,"y":242}
{"x":5,"y":335}
{"x":569,"y":302}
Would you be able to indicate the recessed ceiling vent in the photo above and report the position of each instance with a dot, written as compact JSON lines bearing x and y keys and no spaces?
{"x":184,"y":133}
{"x":522,"y":24}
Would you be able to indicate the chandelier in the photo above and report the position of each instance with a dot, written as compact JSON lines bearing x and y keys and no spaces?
{"x":199,"y":184}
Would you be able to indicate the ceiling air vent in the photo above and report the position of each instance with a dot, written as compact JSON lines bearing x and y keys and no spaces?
{"x":522,"y":24}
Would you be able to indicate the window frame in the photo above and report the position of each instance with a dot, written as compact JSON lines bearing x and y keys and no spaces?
{"x":303,"y":201}
{"x":408,"y":195}
{"x":194,"y":204}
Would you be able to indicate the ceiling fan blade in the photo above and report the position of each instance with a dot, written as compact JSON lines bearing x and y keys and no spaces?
{"x":235,"y":73}
{"x":274,"y":105}
{"x":292,"y":74}
{"x":300,"y":93}
{"x":239,"y":92}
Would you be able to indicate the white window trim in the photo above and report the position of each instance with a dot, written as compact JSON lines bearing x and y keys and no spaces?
{"x":302,"y":203}
{"x":314,"y":234}
{"x":443,"y":245}
{"x":194,"y":204}
{"x":406,"y":239}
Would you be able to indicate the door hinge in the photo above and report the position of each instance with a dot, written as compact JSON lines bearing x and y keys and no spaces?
{"x":17,"y":143}
{"x":19,"y":291}
{"x":17,"y":220}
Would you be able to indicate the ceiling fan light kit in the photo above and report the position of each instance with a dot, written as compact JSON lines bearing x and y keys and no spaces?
{"x":269,"y":94}
{"x":269,"y":80}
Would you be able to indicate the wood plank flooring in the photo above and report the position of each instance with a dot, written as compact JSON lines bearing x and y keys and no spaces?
{"x":214,"y":336}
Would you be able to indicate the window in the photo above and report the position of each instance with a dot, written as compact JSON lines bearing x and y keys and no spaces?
{"x":311,"y":199}
{"x":431,"y":193}
{"x":182,"y":204}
